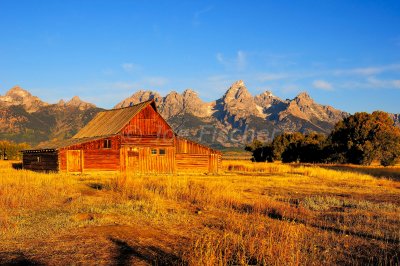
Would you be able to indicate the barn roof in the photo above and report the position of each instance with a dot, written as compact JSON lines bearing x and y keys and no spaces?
{"x":111,"y":122}
{"x":54,"y":145}
{"x":105,"y":124}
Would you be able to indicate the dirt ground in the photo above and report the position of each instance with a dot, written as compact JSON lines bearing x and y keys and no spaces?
{"x":263,"y":214}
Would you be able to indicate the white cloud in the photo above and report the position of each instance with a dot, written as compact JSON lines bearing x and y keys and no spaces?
{"x":108,"y":72}
{"x":322,"y":85}
{"x":196,"y":17}
{"x":238,"y":63}
{"x":130,"y":67}
{"x":382,"y":83}
{"x":218,"y":83}
{"x":290,"y":88}
{"x":120,"y":85}
{"x":241,"y":60}
{"x":155,"y":81}
{"x":146,"y":83}
{"x":278,"y":60}
{"x":375,"y":83}
{"x":368,"y":71}
{"x":220,"y":58}
{"x":292,"y":76}
{"x":372,"y":83}
{"x":315,"y":74}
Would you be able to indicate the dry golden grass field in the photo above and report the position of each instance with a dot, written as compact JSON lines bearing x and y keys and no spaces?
{"x":252,"y":213}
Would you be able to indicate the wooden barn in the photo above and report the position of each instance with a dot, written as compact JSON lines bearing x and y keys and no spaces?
{"x":131,"y":139}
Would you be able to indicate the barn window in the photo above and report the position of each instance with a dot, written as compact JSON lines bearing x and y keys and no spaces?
{"x":38,"y":159}
{"x":161,"y":152}
{"x":153,"y":151}
{"x":107,"y":144}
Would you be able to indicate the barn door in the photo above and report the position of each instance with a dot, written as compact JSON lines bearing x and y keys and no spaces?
{"x":133,"y":159}
{"x":74,"y":161}
{"x":213,"y":163}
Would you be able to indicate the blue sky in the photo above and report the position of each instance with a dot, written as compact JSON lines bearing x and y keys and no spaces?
{"x":343,"y":53}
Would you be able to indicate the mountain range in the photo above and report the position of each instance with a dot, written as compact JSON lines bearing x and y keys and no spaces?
{"x":26,"y":118}
{"x":230,"y":121}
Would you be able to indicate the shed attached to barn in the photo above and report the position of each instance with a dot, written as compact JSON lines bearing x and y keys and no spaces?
{"x":131,"y":139}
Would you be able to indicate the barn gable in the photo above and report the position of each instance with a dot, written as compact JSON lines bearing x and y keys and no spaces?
{"x":148,"y":122}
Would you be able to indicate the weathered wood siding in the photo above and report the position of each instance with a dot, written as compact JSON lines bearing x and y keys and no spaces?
{"x":62,"y":160}
{"x":147,"y":141}
{"x":40,"y":161}
{"x":198,"y":162}
{"x":142,"y":160}
{"x":148,"y":123}
{"x":101,"y":160}
{"x":192,"y":156}
{"x":192,"y":162}
{"x":215,"y":162}
{"x":147,"y":131}
{"x":75,"y":161}
{"x":94,"y":156}
{"x":191,"y":147}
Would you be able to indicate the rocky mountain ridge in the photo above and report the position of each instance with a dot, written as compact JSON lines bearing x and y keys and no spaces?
{"x":230,"y":121}
{"x":18,"y":96}
{"x":26,"y":118}
{"x":238,"y":116}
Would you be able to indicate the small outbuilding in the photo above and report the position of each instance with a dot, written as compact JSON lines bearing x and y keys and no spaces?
{"x":130,"y":139}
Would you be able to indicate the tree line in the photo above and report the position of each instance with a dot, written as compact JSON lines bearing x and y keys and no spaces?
{"x":12,"y":151}
{"x":358,"y":139}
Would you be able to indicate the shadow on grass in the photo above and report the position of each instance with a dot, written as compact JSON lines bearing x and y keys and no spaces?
{"x":358,"y":234}
{"x":148,"y":254}
{"x":97,"y":186}
{"x":391,"y":173}
{"x":276,"y":214}
{"x":16,"y":166}
{"x":17,"y":259}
